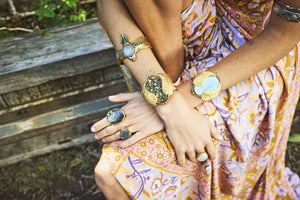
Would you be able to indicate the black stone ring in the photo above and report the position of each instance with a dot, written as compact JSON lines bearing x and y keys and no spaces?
{"x":115,"y":116}
{"x":125,"y":134}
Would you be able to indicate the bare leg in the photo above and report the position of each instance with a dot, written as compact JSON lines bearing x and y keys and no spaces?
{"x":110,"y":187}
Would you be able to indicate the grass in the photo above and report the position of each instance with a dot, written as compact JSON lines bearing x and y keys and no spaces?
{"x":66,"y":174}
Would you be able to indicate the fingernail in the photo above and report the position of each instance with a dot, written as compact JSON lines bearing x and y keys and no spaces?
{"x":103,"y":140}
{"x":96,"y":137}
{"x":113,"y":97}
{"x":93,"y":129}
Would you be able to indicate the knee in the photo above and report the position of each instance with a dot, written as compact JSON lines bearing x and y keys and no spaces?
{"x":103,"y":175}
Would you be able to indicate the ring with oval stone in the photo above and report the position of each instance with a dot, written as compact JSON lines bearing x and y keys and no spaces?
{"x":202,"y":157}
{"x":125,"y":134}
{"x":115,"y":116}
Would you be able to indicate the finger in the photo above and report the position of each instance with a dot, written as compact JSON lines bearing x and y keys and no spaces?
{"x":100,"y":125}
{"x":109,"y":130}
{"x":192,"y":156}
{"x":122,"y":97}
{"x":180,"y":155}
{"x":116,"y":135}
{"x":111,"y":138}
{"x":211,"y":150}
{"x":132,"y":140}
{"x":215,"y":132}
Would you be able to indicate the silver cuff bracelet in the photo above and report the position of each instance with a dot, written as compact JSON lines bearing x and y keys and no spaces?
{"x":286,"y":12}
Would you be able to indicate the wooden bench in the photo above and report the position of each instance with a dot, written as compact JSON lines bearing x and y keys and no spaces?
{"x":52,"y":88}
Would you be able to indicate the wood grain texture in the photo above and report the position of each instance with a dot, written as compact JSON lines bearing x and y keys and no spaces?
{"x":32,"y":59}
{"x":53,"y":88}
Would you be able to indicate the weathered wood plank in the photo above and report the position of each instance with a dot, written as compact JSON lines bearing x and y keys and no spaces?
{"x":60,"y":87}
{"x":51,"y":131}
{"x":32,"y":59}
{"x":52,"y":88}
{"x":23,"y":128}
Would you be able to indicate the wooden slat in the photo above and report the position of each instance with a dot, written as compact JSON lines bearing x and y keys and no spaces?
{"x":32,"y":59}
{"x":53,"y":88}
{"x":50,"y":131}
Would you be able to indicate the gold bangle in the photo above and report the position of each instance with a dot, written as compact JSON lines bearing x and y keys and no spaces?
{"x":129,"y":50}
{"x":157,"y":89}
{"x":207,"y":85}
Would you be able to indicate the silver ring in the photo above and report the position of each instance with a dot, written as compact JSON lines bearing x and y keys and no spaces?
{"x":125,"y":134}
{"x":115,"y":116}
{"x":202,"y":157}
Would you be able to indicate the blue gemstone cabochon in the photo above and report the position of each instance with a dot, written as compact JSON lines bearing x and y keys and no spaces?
{"x":128,"y":50}
{"x":115,"y":116}
{"x":211,"y":83}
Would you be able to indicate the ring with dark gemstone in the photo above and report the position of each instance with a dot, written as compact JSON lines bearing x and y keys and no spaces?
{"x":125,"y":134}
{"x":115,"y":116}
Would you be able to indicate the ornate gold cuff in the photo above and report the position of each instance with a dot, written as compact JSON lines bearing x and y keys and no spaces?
{"x":129,"y":50}
{"x":207,"y":85}
{"x":157,"y":89}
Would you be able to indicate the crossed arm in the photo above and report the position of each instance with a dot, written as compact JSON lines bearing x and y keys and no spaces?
{"x":160,"y":22}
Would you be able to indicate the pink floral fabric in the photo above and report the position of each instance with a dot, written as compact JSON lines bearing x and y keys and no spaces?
{"x":254,"y":118}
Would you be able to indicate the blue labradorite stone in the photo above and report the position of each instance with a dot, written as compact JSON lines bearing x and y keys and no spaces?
{"x":128,"y":50}
{"x":125,"y":134}
{"x":115,"y":116}
{"x":198,"y":90}
{"x":211,"y":83}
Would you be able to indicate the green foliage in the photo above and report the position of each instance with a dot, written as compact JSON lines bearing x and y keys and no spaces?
{"x":46,"y":9}
{"x":94,"y":14}
{"x":294,"y":137}
{"x":69,"y":4}
{"x":80,"y":17}
{"x":46,"y":33}
{"x":41,"y":169}
{"x":59,"y":12}
{"x":5,"y":34}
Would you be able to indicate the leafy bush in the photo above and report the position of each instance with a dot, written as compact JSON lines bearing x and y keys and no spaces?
{"x":58,"y":12}
{"x":4,"y":33}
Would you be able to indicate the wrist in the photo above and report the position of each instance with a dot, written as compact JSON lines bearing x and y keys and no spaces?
{"x":167,"y":110}
{"x":186,"y":91}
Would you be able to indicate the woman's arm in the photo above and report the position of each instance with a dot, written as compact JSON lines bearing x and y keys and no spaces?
{"x":263,"y":51}
{"x":278,"y":38}
{"x":163,"y":29}
{"x":116,"y":20}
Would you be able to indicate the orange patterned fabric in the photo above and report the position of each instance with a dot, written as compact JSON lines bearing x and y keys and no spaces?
{"x":254,"y":117}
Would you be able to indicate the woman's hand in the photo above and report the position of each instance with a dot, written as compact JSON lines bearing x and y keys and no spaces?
{"x":188,"y":130}
{"x":141,"y":120}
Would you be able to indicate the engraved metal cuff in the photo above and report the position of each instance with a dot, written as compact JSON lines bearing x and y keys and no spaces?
{"x":129,"y":50}
{"x":157,"y":89}
{"x":207,"y":85}
{"x":286,"y":12}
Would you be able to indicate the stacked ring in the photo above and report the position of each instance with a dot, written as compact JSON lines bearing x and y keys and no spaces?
{"x":202,"y":157}
{"x":125,"y":134}
{"x":115,"y":116}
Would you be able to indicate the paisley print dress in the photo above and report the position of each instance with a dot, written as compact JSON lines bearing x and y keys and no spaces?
{"x":254,"y":118}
